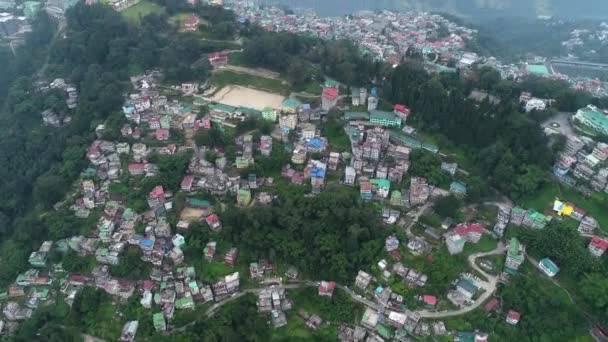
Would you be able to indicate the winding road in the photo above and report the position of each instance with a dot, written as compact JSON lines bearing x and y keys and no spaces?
{"x":488,"y":286}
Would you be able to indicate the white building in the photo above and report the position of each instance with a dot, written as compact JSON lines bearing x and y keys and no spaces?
{"x":535,"y":104}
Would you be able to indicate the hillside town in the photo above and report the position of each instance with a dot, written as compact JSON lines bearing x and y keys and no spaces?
{"x":163,"y":124}
{"x":161,"y":179}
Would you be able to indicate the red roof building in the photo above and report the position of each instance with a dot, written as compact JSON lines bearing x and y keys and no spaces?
{"x":218,"y":58}
{"x":78,"y":279}
{"x":147,"y":285}
{"x":191,"y":23}
{"x":401,"y":110}
{"x":186,"y":183}
{"x":230,"y":257}
{"x":157,"y":193}
{"x":329,"y":99}
{"x":161,"y":134}
{"x":470,"y":231}
{"x":598,"y":246}
{"x":429,"y":300}
{"x":326,"y":288}
{"x":214,"y":222}
{"x":491,"y":305}
{"x":513,"y":317}
{"x":137,"y":169}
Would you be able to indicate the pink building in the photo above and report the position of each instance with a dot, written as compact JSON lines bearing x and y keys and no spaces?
{"x":329,"y":98}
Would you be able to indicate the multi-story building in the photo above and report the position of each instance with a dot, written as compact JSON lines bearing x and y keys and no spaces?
{"x":598,"y":246}
{"x":288,"y":121}
{"x":269,"y":114}
{"x":515,"y":256}
{"x":593,"y":119}
{"x":349,"y":175}
{"x":372,"y":102}
{"x":383,"y":118}
{"x":329,"y":98}
{"x":573,"y":145}
{"x":363,"y":280}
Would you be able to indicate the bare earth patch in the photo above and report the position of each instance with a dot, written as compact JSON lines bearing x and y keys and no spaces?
{"x":191,"y":215}
{"x":238,"y":96}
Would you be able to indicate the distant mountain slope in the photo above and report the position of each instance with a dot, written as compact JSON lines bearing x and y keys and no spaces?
{"x":466,"y":8}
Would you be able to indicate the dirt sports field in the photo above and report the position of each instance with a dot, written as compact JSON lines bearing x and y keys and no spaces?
{"x":191,"y":215}
{"x":237,"y":96}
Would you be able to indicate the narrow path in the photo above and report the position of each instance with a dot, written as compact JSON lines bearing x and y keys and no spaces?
{"x":587,"y":315}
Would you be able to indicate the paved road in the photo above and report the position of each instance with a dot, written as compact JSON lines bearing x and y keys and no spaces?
{"x":488,"y":286}
{"x":563,"y":119}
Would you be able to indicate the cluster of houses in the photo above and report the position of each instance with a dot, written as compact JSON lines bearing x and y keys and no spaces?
{"x":153,"y":114}
{"x":273,"y":300}
{"x":49,"y":116}
{"x":385,"y":35}
{"x":583,"y":161}
{"x":520,"y":217}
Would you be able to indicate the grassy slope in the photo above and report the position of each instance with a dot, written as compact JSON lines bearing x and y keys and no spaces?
{"x":143,"y":8}
{"x":543,"y":200}
{"x":224,"y":78}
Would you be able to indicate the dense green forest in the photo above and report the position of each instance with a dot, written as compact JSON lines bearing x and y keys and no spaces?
{"x":330,"y":236}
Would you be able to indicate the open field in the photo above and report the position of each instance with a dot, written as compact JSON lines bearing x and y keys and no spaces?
{"x":237,"y":96}
{"x":223,"y":78}
{"x":143,"y":8}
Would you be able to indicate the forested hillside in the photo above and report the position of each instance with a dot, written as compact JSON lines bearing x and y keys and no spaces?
{"x":96,"y":52}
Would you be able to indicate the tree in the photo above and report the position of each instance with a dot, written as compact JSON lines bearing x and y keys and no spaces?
{"x":448,"y":206}
{"x":209,"y":138}
{"x":131,"y":266}
{"x":594,"y":289}
{"x":564,"y":246}
{"x":528,"y":182}
{"x":298,"y":73}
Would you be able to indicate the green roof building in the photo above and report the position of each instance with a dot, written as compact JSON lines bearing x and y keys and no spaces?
{"x":291,"y":105}
{"x":329,"y":83}
{"x":592,"y":119}
{"x":220,"y":107}
{"x":244,"y":197}
{"x":38,"y":259}
{"x":159,"y":322}
{"x":404,"y":139}
{"x":242,"y":163}
{"x":250,"y":112}
{"x":548,"y":267}
{"x":197,"y":203}
{"x":515,"y":257}
{"x":458,"y":188}
{"x":383,"y":118}
{"x":269,"y":114}
{"x":384,"y":331}
{"x":396,"y":198}
{"x":165,"y":122}
{"x":352,"y":116}
{"x":39,"y":292}
{"x":184,"y":303}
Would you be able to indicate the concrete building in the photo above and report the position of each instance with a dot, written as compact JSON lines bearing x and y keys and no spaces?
{"x":592,"y":119}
